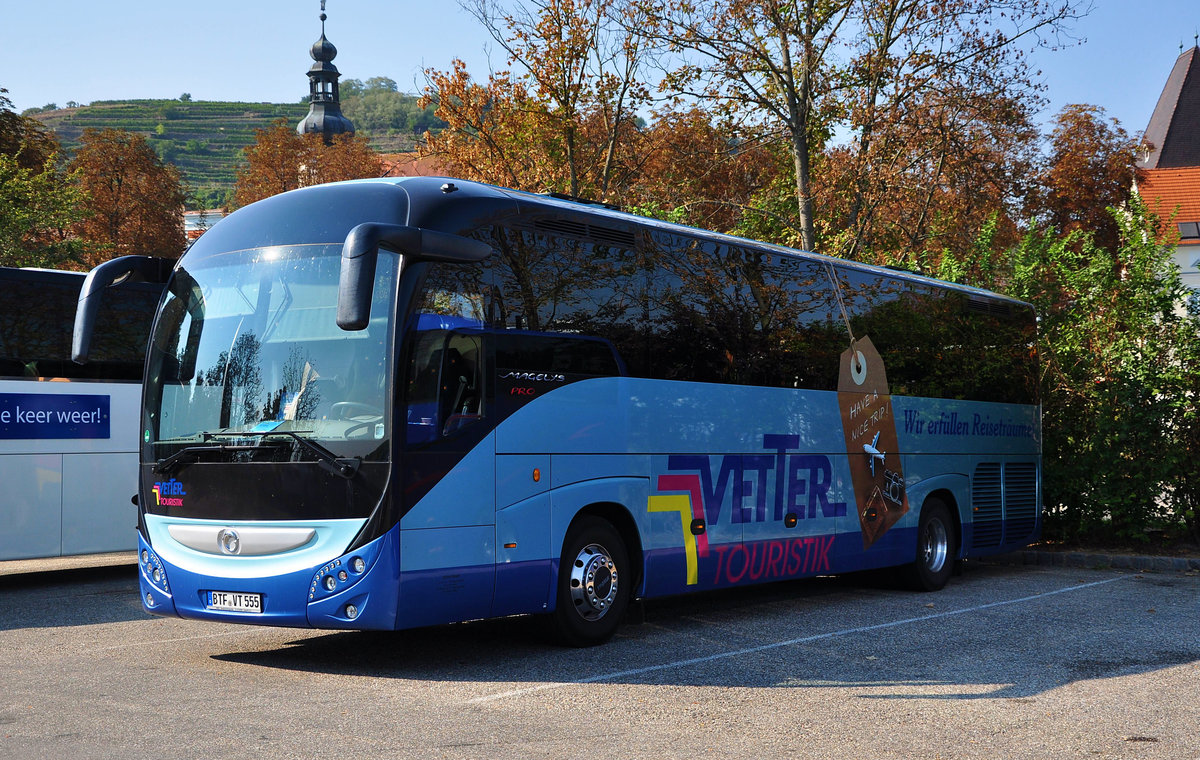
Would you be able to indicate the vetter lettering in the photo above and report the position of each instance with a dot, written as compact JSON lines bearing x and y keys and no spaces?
{"x":802,"y":483}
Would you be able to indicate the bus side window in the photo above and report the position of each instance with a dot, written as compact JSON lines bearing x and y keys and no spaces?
{"x":423,"y":374}
{"x":460,"y":396}
{"x":445,"y":388}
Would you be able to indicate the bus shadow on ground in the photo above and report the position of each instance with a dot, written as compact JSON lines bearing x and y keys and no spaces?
{"x":39,"y":599}
{"x":679,"y":644}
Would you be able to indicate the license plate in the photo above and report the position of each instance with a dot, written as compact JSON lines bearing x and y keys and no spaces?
{"x":234,"y":601}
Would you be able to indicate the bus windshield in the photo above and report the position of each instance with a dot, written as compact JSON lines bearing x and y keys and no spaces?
{"x":247,"y":347}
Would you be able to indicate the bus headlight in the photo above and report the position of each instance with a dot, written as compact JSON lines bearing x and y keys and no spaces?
{"x":154,"y":572}
{"x":343,"y":573}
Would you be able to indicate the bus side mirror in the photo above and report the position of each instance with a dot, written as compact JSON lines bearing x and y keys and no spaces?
{"x":123,"y":269}
{"x":361,"y":250}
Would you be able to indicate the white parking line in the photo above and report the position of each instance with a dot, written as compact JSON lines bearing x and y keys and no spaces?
{"x":780,"y":644}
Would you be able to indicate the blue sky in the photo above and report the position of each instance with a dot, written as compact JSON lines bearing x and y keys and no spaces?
{"x":55,"y":51}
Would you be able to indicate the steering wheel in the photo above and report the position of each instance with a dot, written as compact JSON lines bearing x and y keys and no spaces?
{"x":348,"y":410}
{"x":345,"y":410}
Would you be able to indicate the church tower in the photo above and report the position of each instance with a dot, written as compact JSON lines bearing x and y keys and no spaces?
{"x":1174,"y":128}
{"x":324,"y":110}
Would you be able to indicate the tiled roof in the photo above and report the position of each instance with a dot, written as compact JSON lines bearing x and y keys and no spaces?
{"x":1174,"y":128}
{"x":1166,"y":190}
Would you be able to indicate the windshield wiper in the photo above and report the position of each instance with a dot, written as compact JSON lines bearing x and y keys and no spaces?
{"x":341,"y":467}
{"x":192,"y":454}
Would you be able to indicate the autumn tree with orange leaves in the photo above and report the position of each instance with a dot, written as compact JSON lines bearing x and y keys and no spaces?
{"x":898,"y":128}
{"x":885,"y":76}
{"x":697,"y":172}
{"x":133,"y":201}
{"x":563,"y":117}
{"x":954,"y":167}
{"x":282,"y":160}
{"x":1090,"y":168}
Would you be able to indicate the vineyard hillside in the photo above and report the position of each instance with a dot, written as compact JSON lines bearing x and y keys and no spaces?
{"x":204,"y":139}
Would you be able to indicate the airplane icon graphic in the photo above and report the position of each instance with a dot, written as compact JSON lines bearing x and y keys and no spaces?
{"x":873,"y":453}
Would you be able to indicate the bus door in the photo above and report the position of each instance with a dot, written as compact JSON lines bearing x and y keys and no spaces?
{"x":447,"y":550}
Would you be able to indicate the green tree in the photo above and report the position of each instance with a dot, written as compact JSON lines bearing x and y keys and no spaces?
{"x":384,"y":84}
{"x":347,"y":88}
{"x":38,"y":203}
{"x":377,"y":110}
{"x":1120,"y":365}
{"x":1183,"y":487}
{"x":24,"y":138}
{"x":37,"y":208}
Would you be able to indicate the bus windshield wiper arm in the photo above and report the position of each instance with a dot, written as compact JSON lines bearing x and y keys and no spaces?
{"x":193,"y":453}
{"x":343,"y":467}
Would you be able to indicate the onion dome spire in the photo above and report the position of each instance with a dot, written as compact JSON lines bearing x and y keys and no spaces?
{"x":324,"y":110}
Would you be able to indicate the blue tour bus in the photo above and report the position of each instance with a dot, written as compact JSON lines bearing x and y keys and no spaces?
{"x":394,"y":403}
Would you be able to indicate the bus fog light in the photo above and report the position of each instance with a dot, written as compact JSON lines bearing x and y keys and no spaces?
{"x":330,"y":583}
{"x":358,"y":564}
{"x":351,"y":611}
{"x":149,"y":599}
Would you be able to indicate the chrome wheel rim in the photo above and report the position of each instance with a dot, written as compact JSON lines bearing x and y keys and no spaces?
{"x":935,"y":546}
{"x":594,"y":582}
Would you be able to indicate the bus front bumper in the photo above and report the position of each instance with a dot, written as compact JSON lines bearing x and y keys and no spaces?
{"x":306,"y":587}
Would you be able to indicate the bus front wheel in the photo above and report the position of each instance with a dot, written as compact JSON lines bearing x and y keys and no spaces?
{"x":936,"y":547}
{"x":593,"y":583}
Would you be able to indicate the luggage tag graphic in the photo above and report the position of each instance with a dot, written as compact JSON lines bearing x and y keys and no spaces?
{"x":871,"y":441}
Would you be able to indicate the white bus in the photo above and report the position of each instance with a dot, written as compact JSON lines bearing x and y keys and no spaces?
{"x":69,"y":432}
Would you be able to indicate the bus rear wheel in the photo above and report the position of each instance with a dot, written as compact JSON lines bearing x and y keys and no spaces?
{"x":593,"y":583}
{"x":936,"y":547}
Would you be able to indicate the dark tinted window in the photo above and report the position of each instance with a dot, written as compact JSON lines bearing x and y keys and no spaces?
{"x":562,"y":354}
{"x":37,"y":315}
{"x":724,"y":313}
{"x":570,"y":279}
{"x":470,"y":357}
{"x":944,"y":343}
{"x":678,"y":307}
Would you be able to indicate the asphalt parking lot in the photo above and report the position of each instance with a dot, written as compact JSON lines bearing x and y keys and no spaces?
{"x":1008,"y":661}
